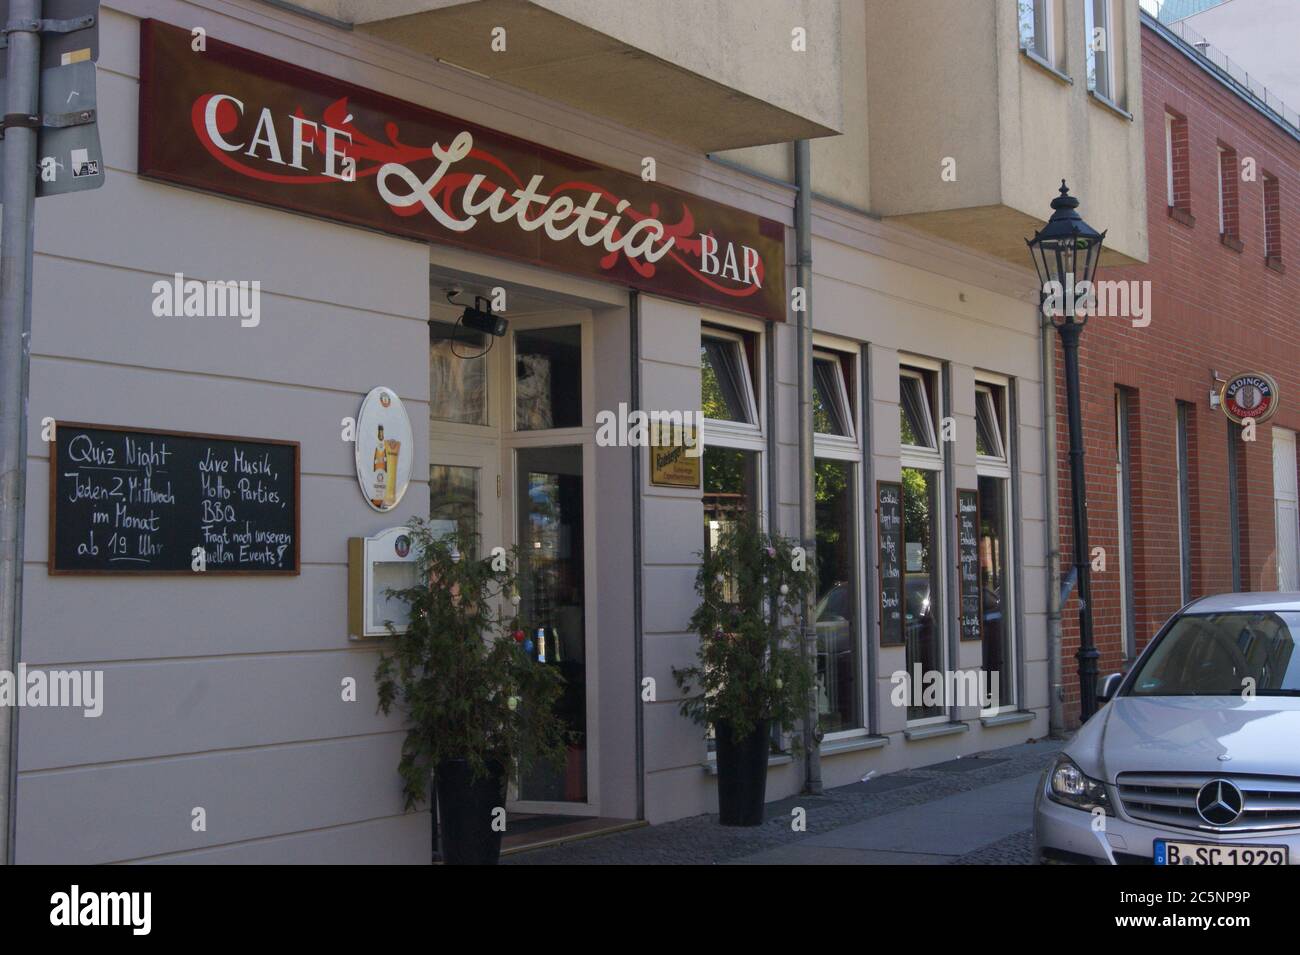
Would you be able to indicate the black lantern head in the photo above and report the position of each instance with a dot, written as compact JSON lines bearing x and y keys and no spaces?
{"x":1065,"y":253}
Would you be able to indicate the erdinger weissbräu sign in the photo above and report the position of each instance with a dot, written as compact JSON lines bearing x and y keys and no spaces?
{"x":1250,"y":394}
{"x":239,"y":123}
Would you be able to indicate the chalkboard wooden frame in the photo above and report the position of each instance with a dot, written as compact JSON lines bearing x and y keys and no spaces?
{"x":885,"y":640}
{"x":53,"y":570}
{"x":961,"y":592}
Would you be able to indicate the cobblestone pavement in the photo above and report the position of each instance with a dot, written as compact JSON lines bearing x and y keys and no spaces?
{"x":699,"y":840}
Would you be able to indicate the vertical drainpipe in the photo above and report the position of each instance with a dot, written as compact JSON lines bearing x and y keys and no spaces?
{"x":1052,"y":532}
{"x":807,"y":514}
{"x":638,"y":623}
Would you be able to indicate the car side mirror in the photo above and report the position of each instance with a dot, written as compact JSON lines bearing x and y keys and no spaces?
{"x":1107,"y":686}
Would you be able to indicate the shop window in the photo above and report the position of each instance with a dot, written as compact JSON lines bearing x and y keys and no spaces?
{"x":922,"y":621}
{"x":726,"y":385}
{"x":832,"y":410}
{"x":548,"y":378}
{"x":458,"y":374}
{"x":730,"y":490}
{"x":454,"y":500}
{"x":993,"y":465}
{"x":1124,"y":420}
{"x":838,"y":643}
{"x":916,"y":412}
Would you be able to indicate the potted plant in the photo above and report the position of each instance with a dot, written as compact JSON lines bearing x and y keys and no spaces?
{"x":752,"y":673}
{"x":477,"y":706}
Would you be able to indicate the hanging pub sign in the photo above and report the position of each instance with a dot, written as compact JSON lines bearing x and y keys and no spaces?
{"x":1249,"y":395}
{"x":384,"y":448}
{"x":236,"y":122}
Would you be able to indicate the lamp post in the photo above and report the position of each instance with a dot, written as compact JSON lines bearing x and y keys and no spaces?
{"x":1065,"y":253}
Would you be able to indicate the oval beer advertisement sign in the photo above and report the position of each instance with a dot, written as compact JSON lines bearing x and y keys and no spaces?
{"x":385,"y":449}
{"x":1249,"y":395}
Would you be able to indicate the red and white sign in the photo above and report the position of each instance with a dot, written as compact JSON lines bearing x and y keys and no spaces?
{"x":236,"y":122}
{"x":1249,"y":395}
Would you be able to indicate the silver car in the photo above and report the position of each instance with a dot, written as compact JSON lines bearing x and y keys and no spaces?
{"x":1195,"y":758}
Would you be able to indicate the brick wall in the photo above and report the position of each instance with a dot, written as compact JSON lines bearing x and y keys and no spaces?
{"x":1214,"y":307}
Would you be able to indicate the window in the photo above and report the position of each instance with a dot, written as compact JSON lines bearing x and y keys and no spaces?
{"x":548,"y":378}
{"x":1235,"y":470}
{"x":988,"y":423}
{"x":993,"y":466}
{"x":1229,"y":215}
{"x":1178,"y":182}
{"x":923,"y":497}
{"x":726,"y":385}
{"x":1124,"y":518}
{"x":1100,"y":44}
{"x":837,"y":464}
{"x":1272,"y":220}
{"x":832,"y":410}
{"x":1184,"y":501}
{"x":454,"y":501}
{"x":916,"y":414}
{"x":1036,"y":29}
{"x":458,"y":377}
{"x":733,"y":436}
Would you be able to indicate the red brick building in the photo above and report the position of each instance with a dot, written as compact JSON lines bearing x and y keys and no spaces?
{"x":1180,"y":503}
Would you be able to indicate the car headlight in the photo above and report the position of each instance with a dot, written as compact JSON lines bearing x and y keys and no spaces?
{"x":1070,"y":787}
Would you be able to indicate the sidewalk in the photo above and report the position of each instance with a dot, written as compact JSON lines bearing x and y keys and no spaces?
{"x":974,"y":810}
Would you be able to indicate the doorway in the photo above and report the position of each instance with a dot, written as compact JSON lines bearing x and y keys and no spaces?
{"x":1286,"y":510}
{"x":511,"y":447}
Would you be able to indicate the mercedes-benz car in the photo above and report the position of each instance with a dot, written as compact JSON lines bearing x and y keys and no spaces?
{"x":1195,"y":756}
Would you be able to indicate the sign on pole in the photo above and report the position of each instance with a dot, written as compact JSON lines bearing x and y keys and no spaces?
{"x":68,"y":153}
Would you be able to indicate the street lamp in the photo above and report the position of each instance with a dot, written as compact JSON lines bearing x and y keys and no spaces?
{"x":1065,"y":253}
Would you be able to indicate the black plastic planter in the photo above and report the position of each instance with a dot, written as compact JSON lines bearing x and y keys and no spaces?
{"x":465,"y":808}
{"x":742,"y":775}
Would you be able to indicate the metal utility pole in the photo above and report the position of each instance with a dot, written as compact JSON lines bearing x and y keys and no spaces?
{"x":807,"y":503}
{"x":21,"y":122}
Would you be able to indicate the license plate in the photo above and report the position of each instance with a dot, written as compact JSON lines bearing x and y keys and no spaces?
{"x":1204,"y":853}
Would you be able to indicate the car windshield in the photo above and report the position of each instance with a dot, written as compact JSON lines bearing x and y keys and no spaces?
{"x":1224,"y":654}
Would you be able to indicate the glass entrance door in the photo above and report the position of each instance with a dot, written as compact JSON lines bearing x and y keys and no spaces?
{"x":552,"y":567}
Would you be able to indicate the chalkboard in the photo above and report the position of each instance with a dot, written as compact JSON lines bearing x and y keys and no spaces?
{"x":971,"y":622}
{"x":889,"y":542}
{"x":139,"y":501}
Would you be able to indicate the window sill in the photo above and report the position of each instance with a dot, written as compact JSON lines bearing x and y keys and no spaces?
{"x":1274,"y":262}
{"x":710,"y":765}
{"x":1048,"y":68}
{"x":1109,"y":104}
{"x":853,"y":744}
{"x":1007,"y":719}
{"x":1231,"y":241}
{"x":1182,"y":215}
{"x":938,"y":729}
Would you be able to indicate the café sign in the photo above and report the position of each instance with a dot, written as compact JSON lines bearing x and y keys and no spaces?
{"x":236,"y":122}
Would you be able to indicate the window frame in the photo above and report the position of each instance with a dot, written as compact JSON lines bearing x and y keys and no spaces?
{"x":928,"y":371}
{"x":1171,"y":196}
{"x":748,"y":432}
{"x":848,"y":442}
{"x":985,"y":387}
{"x":1000,"y":468}
{"x":925,"y":375}
{"x":850,"y":449}
{"x":1090,"y":9}
{"x":1043,"y":45}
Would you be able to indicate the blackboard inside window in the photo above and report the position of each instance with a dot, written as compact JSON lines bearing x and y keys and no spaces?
{"x":889,"y":545}
{"x":141,"y":501}
{"x":968,"y":565}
